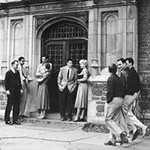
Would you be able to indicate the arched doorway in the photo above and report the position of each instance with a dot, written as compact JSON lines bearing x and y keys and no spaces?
{"x":63,"y":40}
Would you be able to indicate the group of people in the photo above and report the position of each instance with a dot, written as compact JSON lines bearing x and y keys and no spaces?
{"x":123,"y":89}
{"x":73,"y":90}
{"x":68,"y":81}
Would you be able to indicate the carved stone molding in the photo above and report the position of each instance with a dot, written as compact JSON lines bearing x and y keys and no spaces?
{"x":81,"y":16}
{"x":16,"y":21}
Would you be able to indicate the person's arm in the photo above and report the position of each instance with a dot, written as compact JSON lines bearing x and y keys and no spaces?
{"x":45,"y":75}
{"x":6,"y":82}
{"x":59,"y":80}
{"x":38,"y":74}
{"x":85,"y":76}
{"x":137,"y":86}
{"x":110,"y":89}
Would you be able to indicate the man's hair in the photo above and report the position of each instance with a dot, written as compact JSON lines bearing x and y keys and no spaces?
{"x":13,"y":62}
{"x":112,"y":68}
{"x":69,"y":59}
{"x":20,"y":58}
{"x":46,"y":56}
{"x":130,"y":60}
{"x":122,"y":60}
{"x":47,"y":66}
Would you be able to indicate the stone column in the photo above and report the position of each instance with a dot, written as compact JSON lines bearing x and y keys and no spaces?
{"x":97,"y":94}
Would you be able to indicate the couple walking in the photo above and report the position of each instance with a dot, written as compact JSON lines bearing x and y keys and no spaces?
{"x":67,"y":84}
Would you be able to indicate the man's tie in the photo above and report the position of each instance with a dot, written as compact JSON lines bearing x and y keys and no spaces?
{"x":68,"y":73}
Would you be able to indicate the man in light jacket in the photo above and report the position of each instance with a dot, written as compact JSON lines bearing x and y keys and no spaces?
{"x":67,"y":82}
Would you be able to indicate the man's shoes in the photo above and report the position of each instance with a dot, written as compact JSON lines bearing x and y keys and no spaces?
{"x":63,"y":119}
{"x":109,"y":143}
{"x":17,"y":123}
{"x":145,"y":131}
{"x":69,"y":119}
{"x":136,"y":134}
{"x":24,"y":116}
{"x":8,"y":122}
{"x":123,"y":137}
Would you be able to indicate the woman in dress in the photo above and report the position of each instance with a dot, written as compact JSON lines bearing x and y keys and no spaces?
{"x":82,"y":92}
{"x":42,"y":93}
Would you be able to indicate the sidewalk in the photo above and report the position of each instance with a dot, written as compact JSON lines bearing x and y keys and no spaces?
{"x":35,"y":136}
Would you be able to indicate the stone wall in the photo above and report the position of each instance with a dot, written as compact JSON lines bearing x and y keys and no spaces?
{"x":96,"y":101}
{"x":3,"y":97}
{"x":144,"y":46}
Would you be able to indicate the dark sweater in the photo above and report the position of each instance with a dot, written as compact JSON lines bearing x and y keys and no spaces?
{"x":115,"y":87}
{"x":12,"y":81}
{"x":133,"y":82}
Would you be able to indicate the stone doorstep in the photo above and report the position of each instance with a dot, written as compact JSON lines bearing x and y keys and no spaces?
{"x":53,"y":122}
{"x":53,"y":118}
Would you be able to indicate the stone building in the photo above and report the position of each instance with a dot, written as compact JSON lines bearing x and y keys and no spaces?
{"x":104,"y":30}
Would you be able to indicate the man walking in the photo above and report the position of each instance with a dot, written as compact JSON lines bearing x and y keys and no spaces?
{"x":67,"y":82}
{"x":132,"y":92}
{"x":115,"y":95}
{"x":25,"y":87}
{"x":13,"y":91}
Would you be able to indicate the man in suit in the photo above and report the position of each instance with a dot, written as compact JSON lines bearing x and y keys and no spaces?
{"x":13,"y":91}
{"x":67,"y":82}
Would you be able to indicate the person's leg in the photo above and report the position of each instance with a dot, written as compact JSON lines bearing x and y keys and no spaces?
{"x":126,"y":107}
{"x":62,"y":104}
{"x":112,"y":107}
{"x":136,"y":121}
{"x":16,"y":104}
{"x":23,"y":100}
{"x":70,"y":97}
{"x":128,"y":100}
{"x":82,"y":113}
{"x":77,"y":115}
{"x":8,"y":108}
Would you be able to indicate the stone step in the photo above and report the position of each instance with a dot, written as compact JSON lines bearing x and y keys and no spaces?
{"x":53,"y":122}
{"x":51,"y":118}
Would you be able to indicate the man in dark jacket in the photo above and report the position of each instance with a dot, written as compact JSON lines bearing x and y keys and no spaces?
{"x":13,"y":91}
{"x":132,"y":92}
{"x":115,"y":95}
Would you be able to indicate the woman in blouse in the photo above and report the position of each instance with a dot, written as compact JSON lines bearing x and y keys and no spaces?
{"x":42,"y":94}
{"x":82,"y":92}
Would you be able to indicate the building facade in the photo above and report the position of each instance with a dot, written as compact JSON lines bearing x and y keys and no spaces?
{"x":105,"y":30}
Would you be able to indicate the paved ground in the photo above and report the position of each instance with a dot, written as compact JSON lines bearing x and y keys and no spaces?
{"x":39,"y":136}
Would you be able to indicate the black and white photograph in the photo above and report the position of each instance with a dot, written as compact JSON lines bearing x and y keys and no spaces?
{"x":74,"y":74}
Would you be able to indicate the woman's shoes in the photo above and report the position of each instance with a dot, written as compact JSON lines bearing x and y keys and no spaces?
{"x":79,"y":120}
{"x":76,"y":120}
{"x":82,"y":119}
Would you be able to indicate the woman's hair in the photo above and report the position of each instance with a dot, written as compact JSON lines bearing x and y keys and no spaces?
{"x":47,"y":66}
{"x":84,"y":61}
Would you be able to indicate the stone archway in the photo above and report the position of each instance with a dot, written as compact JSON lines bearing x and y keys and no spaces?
{"x":62,"y":38}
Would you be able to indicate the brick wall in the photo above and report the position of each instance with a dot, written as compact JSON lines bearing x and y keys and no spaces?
{"x":144,"y":46}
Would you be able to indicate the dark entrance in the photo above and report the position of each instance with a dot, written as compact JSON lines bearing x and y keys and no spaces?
{"x":61,"y":41}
